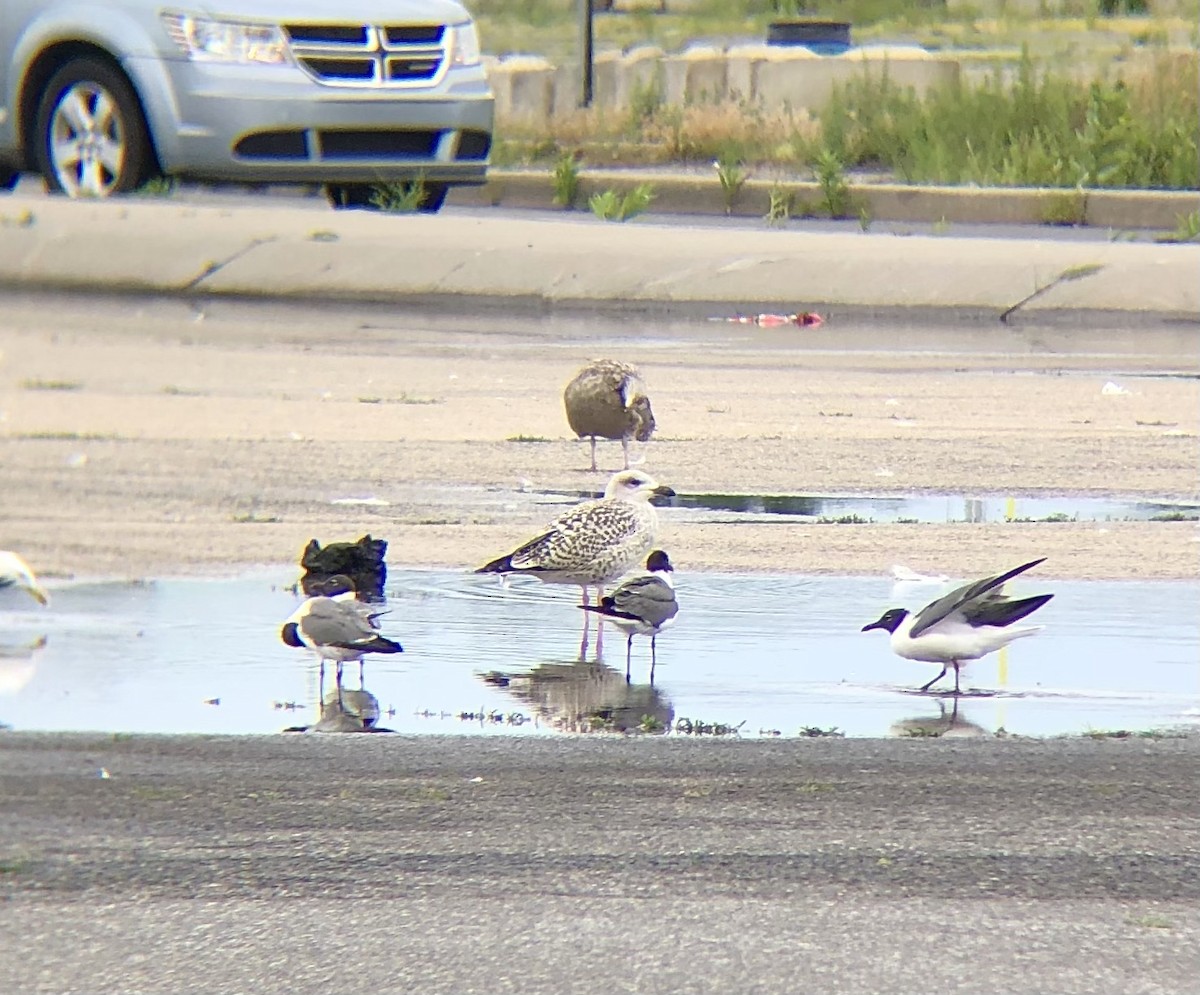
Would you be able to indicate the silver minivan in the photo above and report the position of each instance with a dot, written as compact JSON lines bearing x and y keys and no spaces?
{"x":350,"y":94}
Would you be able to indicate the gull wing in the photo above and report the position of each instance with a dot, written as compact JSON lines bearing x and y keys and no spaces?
{"x":935,"y":612}
{"x":578,"y":536}
{"x":333,"y":623}
{"x":646,"y":598}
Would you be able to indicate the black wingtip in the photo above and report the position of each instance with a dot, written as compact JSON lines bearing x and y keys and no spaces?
{"x":500,"y":566}
{"x":290,"y":634}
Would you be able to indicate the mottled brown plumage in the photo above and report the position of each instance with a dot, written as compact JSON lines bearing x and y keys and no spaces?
{"x":607,"y":400}
{"x":594,"y":542}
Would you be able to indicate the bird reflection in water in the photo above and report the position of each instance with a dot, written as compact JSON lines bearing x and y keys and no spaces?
{"x":346,"y":710}
{"x":17,"y":663}
{"x":941,"y":725}
{"x":590,"y":697}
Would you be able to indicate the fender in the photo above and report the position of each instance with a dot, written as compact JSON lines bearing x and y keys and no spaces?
{"x":108,"y":27}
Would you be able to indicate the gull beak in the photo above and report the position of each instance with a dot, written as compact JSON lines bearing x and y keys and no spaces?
{"x":663,"y":491}
{"x":877,"y":624}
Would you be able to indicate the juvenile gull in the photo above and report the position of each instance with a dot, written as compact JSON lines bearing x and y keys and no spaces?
{"x":643,"y":605}
{"x":15,"y":572}
{"x":968,"y":623}
{"x":607,"y":400}
{"x":594,"y":542}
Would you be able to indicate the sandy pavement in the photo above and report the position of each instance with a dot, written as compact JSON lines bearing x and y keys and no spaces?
{"x":148,"y":437}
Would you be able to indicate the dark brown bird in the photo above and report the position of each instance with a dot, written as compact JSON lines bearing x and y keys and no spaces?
{"x":607,"y":400}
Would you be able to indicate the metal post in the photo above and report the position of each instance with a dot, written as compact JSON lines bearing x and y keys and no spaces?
{"x":586,"y":50}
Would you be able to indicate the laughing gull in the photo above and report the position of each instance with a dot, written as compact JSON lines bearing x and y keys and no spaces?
{"x":968,"y":623}
{"x":15,"y":572}
{"x":607,"y":400}
{"x":338,"y":629}
{"x":642,"y":606}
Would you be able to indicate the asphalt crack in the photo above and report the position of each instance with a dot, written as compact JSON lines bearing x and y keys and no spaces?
{"x":216,"y":267}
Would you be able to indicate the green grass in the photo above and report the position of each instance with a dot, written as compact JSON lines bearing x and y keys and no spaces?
{"x":1074,"y":119}
{"x":1039,"y":129}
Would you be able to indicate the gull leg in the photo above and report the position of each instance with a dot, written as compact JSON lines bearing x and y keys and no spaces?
{"x":338,"y":677}
{"x":361,"y":661}
{"x":653,"y":656}
{"x":956,"y":665}
{"x":320,"y":689}
{"x":625,"y":450}
{"x":628,"y":657}
{"x":594,"y":467}
{"x":583,"y":645}
{"x":926,"y":687}
{"x":599,"y":625}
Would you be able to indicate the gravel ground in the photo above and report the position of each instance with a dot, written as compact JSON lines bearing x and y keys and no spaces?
{"x":447,"y":864}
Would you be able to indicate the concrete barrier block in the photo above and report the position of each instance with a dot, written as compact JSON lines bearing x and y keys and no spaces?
{"x":741,"y":69}
{"x":696,"y":75}
{"x":606,"y":69}
{"x":907,"y":67}
{"x":568,"y":89}
{"x":800,"y":81}
{"x":639,"y":71}
{"x":523,"y":86}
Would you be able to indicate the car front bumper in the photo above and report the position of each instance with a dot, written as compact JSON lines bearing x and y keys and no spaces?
{"x":275,"y":124}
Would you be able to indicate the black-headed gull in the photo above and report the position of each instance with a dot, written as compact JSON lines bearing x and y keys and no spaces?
{"x":968,"y":623}
{"x":642,"y":606}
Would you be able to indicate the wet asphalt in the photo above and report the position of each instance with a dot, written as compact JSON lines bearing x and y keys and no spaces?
{"x":595,"y":864}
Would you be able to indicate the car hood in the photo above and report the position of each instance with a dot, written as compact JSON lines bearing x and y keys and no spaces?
{"x":324,"y":12}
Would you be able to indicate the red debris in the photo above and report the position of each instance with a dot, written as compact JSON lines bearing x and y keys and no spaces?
{"x":805,"y":319}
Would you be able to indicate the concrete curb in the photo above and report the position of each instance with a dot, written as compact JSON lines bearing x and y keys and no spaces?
{"x":300,"y":252}
{"x":690,"y":193}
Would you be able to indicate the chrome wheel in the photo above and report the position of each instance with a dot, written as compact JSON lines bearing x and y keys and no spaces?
{"x":92,"y":138}
{"x":87,"y":141}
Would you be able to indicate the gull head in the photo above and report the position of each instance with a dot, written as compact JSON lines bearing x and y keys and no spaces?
{"x":659,"y":562}
{"x":634,"y":485}
{"x":889,"y":620}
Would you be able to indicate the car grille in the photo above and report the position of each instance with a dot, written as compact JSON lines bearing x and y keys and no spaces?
{"x":365,"y":55}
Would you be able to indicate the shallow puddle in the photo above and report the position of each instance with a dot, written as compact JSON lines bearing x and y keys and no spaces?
{"x":765,"y":654}
{"x":923,"y":507}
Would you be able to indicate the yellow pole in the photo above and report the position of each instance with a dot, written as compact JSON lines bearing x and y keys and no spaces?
{"x":1010,"y":509}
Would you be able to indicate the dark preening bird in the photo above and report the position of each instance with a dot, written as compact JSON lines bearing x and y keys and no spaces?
{"x":361,"y":561}
{"x":642,"y":606}
{"x":607,"y":400}
{"x":968,"y":623}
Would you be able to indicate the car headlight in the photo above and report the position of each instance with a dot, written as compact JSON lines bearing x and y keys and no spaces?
{"x":205,"y":40}
{"x":464,"y":44}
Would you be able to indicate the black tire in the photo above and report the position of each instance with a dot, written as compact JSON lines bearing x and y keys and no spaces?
{"x":349,"y":196}
{"x":114,"y":154}
{"x":361,"y":197}
{"x":435,"y":197}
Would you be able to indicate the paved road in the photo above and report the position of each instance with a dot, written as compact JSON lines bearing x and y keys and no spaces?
{"x":379,"y":863}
